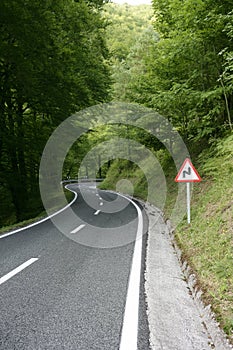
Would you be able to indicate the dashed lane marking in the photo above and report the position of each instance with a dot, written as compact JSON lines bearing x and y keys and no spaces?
{"x":17,"y":270}
{"x":80,"y":227}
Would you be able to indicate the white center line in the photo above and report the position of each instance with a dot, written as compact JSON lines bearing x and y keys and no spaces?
{"x":97,"y":212}
{"x":78,"y":228}
{"x":101,"y":203}
{"x":17,"y":270}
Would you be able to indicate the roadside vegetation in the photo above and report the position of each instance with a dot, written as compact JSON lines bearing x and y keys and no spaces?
{"x":208,"y":242}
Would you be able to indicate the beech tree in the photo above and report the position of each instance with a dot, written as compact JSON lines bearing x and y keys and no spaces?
{"x":186,"y":76}
{"x":53,"y":62}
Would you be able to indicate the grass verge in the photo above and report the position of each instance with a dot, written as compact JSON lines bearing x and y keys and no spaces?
{"x":207,"y":243}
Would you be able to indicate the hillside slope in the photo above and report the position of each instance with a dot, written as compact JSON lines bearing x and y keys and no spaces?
{"x":207,"y":243}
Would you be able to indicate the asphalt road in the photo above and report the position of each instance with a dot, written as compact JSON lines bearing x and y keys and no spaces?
{"x":73,"y":295}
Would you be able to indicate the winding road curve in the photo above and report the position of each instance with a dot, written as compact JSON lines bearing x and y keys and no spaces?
{"x":67,"y":291}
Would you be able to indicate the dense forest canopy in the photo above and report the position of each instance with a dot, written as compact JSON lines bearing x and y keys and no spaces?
{"x":53,"y":62}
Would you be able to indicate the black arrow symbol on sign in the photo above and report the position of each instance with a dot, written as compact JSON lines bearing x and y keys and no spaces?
{"x":187,"y":172}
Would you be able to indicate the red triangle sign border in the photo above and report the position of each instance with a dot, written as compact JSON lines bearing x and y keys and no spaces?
{"x":198,"y":179}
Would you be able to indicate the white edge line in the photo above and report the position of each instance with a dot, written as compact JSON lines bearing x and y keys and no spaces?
{"x":43,"y":220}
{"x":97,"y":212}
{"x":17,"y":270}
{"x":129,"y":332}
{"x":78,"y":228}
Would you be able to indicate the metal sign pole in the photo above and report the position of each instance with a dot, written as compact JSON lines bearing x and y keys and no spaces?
{"x":188,"y":202}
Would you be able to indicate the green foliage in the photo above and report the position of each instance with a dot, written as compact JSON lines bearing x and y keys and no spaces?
{"x":126,"y":170}
{"x":53,"y":62}
{"x":75,"y":167}
{"x":126,"y":25}
{"x":185,"y":72}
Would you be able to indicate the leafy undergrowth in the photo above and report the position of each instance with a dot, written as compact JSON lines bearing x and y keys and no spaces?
{"x":207,"y":243}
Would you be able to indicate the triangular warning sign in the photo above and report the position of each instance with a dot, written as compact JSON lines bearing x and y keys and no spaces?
{"x":188,"y":173}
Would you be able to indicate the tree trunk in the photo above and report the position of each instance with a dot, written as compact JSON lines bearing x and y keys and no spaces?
{"x":16,"y":178}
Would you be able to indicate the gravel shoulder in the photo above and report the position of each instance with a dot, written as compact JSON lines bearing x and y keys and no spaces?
{"x":177,"y":317}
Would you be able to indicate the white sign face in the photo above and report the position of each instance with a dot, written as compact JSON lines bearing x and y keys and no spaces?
{"x":188,"y":173}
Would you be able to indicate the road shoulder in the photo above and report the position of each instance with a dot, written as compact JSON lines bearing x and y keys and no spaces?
{"x":177,"y":318}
